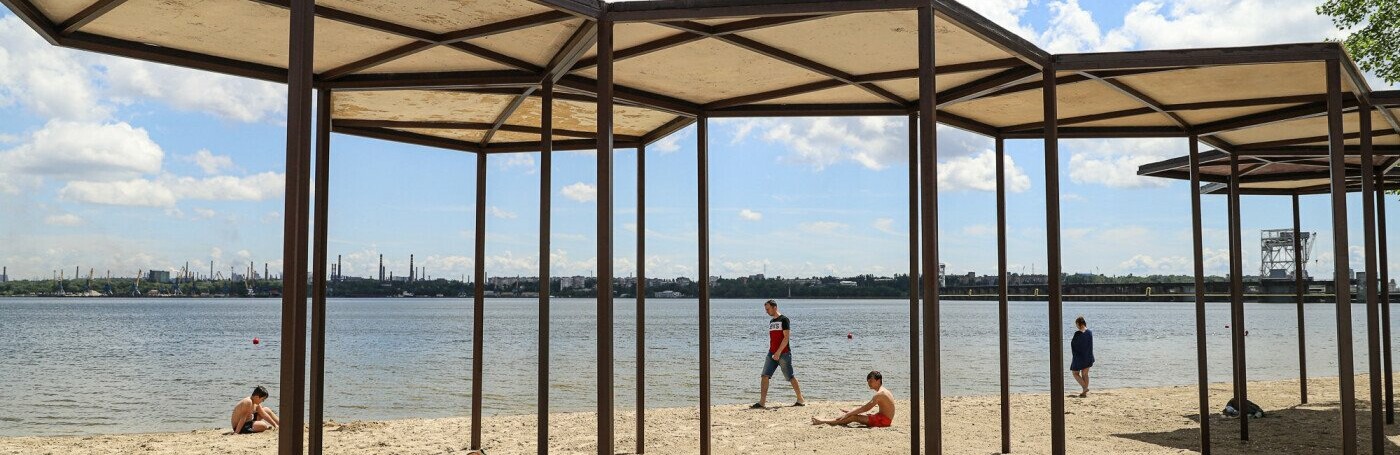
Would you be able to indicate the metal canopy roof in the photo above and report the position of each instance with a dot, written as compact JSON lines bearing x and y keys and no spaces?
{"x":466,"y":74}
{"x":1293,"y":160}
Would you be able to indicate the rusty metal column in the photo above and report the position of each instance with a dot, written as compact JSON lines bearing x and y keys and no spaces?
{"x":295,"y":220}
{"x":478,"y":298}
{"x":1385,"y":299}
{"x":605,"y":237}
{"x":641,"y":297}
{"x":1301,"y":289}
{"x":1373,"y":329}
{"x":317,"y":389}
{"x":928,"y":192}
{"x":1003,"y":304}
{"x":1202,"y":378}
{"x":914,"y":284}
{"x":546,"y":189}
{"x":1237,"y":347}
{"x":1052,"y":256}
{"x":1342,"y":283}
{"x":702,"y":166}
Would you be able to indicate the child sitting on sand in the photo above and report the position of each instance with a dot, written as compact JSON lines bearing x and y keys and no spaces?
{"x":250,"y":416}
{"x":883,"y":398}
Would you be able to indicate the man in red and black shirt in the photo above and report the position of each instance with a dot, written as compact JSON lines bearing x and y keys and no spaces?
{"x":779,"y":354}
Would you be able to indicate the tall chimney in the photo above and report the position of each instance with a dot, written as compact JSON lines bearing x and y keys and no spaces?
{"x":412,"y":269}
{"x":381,"y":267}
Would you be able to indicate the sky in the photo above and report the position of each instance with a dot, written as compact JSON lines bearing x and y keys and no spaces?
{"x":115,"y":164}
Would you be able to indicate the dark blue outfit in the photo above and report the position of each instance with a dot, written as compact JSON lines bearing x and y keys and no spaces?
{"x":1082,"y":346}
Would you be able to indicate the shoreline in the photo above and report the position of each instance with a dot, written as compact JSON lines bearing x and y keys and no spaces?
{"x":1134,"y":420}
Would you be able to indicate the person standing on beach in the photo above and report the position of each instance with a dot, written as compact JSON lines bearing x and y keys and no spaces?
{"x":250,"y":416}
{"x":883,"y":398}
{"x":779,"y":355}
{"x":1082,"y":346}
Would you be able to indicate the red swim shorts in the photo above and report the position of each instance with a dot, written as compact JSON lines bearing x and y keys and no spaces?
{"x":878,"y":420}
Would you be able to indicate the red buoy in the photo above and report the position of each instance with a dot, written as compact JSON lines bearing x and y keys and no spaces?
{"x":256,"y":341}
{"x":849,"y":336}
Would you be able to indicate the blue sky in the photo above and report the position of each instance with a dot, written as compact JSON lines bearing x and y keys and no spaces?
{"x":121,"y":165}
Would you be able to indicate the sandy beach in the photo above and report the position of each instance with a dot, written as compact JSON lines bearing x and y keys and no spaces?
{"x":1125,"y":421}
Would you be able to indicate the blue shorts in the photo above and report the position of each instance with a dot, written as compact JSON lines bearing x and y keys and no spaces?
{"x":770,"y":365}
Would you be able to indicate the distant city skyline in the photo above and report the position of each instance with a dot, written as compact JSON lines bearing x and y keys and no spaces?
{"x":117,"y":164}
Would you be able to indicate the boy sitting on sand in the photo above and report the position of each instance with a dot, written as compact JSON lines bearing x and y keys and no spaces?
{"x":249,"y":415}
{"x":883,"y":398}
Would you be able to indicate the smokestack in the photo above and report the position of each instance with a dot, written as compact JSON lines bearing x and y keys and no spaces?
{"x":337,"y":267}
{"x":381,"y":267}
{"x":412,"y":269}
{"x":264,"y":270}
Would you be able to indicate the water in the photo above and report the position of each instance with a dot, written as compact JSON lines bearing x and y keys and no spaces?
{"x":90,"y":366}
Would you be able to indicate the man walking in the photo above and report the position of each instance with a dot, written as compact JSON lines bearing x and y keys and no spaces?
{"x":779,"y":355}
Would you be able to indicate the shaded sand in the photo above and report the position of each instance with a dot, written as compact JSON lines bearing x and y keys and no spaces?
{"x":1126,"y":421}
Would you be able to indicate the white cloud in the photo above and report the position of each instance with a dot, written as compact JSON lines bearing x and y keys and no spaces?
{"x":50,"y":81}
{"x":134,"y":192}
{"x":978,"y":173}
{"x":255,"y":187}
{"x":67,"y":219}
{"x":873,"y":142}
{"x":204,"y":214}
{"x":1202,"y":23}
{"x":1006,"y":13}
{"x":62,"y":83}
{"x":1072,"y":29}
{"x":1174,"y":24}
{"x":581,"y":192}
{"x":167,"y":190}
{"x":670,"y":143}
{"x":517,"y":160}
{"x":84,"y":150}
{"x":1114,"y":163}
{"x":978,"y":230}
{"x":749,"y":267}
{"x":501,"y":213}
{"x":233,"y":98}
{"x":750,"y":215}
{"x":885,"y":225}
{"x":209,"y":162}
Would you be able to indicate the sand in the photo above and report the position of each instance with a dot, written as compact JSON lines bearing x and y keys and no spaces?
{"x":1159,"y":420}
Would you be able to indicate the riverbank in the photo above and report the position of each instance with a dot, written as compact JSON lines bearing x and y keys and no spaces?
{"x":1160,"y":420}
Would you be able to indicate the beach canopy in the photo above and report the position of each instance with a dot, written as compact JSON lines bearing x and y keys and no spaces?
{"x":466,"y":75}
{"x":1292,"y":156}
{"x":500,"y":76}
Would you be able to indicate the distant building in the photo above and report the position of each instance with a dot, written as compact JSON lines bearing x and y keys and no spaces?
{"x":572,"y":282}
{"x":158,"y":276}
{"x":850,"y":284}
{"x":668,"y":294}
